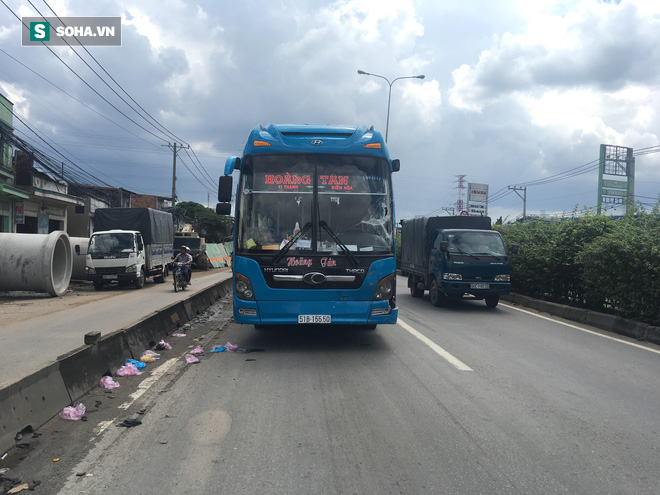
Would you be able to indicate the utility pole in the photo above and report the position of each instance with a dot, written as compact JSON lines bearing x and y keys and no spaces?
{"x":515,"y":189}
{"x":460,"y":205}
{"x":174,"y":151}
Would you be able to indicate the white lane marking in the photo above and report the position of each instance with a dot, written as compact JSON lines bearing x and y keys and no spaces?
{"x":584,"y":329}
{"x":102,"y":426}
{"x":460,"y":365}
{"x":148,"y":382}
{"x":141,"y":389}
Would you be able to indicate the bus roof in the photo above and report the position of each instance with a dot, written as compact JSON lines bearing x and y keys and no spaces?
{"x":315,"y":138}
{"x":312,"y":138}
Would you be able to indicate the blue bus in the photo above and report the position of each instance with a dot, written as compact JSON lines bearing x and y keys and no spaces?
{"x":314,"y":239}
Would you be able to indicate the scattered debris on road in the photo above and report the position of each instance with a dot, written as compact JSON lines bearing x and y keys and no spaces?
{"x":73,"y":413}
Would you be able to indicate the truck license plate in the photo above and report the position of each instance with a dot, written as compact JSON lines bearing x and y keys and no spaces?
{"x":109,"y":277}
{"x":314,"y":319}
{"x":479,"y":286}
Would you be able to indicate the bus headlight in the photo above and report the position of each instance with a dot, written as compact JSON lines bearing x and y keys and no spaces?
{"x":385,"y":288}
{"x":452,"y":276}
{"x":503,"y":278}
{"x":243,"y":287}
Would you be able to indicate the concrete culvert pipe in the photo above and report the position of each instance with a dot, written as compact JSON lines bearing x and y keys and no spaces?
{"x":35,"y":262}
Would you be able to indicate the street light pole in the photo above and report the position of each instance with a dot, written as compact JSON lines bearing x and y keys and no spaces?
{"x":389,"y":96}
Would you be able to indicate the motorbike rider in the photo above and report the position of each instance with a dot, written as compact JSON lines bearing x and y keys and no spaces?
{"x":185,"y":258}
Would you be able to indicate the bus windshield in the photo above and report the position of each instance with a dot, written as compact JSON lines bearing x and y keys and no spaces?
{"x":340,"y":203}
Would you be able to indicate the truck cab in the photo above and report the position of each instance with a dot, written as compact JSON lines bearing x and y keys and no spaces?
{"x":466,"y":261}
{"x":116,"y":256}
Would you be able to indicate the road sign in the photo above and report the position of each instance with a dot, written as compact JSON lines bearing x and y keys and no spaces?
{"x":464,"y":213}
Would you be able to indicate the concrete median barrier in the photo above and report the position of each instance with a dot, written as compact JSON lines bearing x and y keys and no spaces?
{"x":31,"y":401}
{"x":82,"y":369}
{"x":37,"y":398}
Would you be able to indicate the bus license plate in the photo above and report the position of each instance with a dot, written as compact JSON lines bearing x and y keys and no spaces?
{"x":314,"y":319}
{"x":479,"y":286}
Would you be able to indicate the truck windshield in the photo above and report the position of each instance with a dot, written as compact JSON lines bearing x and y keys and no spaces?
{"x":347,"y":200}
{"x":476,"y":243}
{"x":111,"y":244}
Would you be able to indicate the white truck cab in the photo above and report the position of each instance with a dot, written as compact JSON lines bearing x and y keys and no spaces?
{"x":130,"y":256}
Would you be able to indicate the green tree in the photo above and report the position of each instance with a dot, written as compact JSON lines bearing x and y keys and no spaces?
{"x":213,"y":227}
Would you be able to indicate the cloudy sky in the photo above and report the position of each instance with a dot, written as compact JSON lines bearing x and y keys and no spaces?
{"x":514,"y":90}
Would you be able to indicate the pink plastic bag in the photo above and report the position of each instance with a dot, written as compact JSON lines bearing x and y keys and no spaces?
{"x":73,"y":413}
{"x":197,"y":350}
{"x":190,"y":359}
{"x":163,"y":345}
{"x":178,"y":335}
{"x":128,"y":370}
{"x":108,"y":382}
{"x":231,"y":347}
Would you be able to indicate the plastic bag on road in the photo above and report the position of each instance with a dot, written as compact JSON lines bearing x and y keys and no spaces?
{"x":128,"y":370}
{"x":190,"y":359}
{"x":73,"y":413}
{"x":231,"y":347}
{"x":108,"y":382}
{"x":197,"y":350}
{"x":179,"y":335}
{"x":163,"y":346}
{"x":218,"y":348}
{"x":138,"y":364}
{"x":149,"y":357}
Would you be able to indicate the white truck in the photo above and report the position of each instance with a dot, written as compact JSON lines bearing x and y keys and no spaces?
{"x":129,"y":245}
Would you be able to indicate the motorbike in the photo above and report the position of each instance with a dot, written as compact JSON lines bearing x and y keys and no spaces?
{"x":179,"y":277}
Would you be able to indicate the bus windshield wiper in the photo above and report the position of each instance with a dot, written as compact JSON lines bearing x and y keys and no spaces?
{"x":294,"y":239}
{"x":343,"y":246}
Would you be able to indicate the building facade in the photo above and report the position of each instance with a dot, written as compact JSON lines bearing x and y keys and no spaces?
{"x":11,"y":198}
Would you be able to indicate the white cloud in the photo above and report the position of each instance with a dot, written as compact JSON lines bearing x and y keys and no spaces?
{"x":17,"y":96}
{"x":600,"y":45}
{"x":531,"y":88}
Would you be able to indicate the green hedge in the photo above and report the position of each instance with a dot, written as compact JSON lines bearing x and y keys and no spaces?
{"x":593,"y":262}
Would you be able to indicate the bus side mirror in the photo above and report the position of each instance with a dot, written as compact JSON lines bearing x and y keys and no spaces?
{"x":514,"y":248}
{"x":223,"y":208}
{"x":396,"y":165}
{"x":444,"y":245}
{"x":224,"y":188}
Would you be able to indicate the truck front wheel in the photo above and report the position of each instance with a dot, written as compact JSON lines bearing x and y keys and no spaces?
{"x":414,"y":290}
{"x":139,"y":281}
{"x":437,"y":296}
{"x":491,"y":301}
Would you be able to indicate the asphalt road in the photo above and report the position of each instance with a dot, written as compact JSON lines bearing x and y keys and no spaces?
{"x":459,"y":400}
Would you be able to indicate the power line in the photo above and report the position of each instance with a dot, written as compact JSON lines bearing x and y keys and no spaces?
{"x":76,"y":99}
{"x":205,"y":186}
{"x":167,"y":131}
{"x":205,"y":177}
{"x":83,"y":80}
{"x":582,"y":169}
{"x":202,"y":169}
